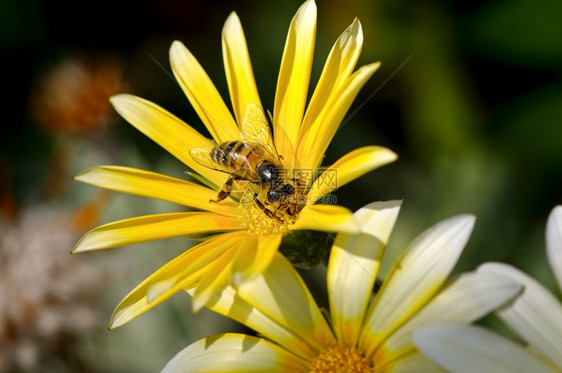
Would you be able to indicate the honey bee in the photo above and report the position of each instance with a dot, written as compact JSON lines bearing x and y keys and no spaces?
{"x":254,"y":160}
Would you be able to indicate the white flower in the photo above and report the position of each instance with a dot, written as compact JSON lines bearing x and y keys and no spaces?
{"x":535,"y":316}
{"x":366,"y":334}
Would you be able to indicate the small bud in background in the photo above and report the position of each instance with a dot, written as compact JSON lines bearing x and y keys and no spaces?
{"x":72,"y":96}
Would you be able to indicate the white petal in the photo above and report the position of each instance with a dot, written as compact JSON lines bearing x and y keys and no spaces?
{"x":536,"y":315}
{"x":554,"y":243}
{"x":463,"y":348}
{"x":415,"y":279}
{"x":469,"y":298}
{"x":353,"y":266}
{"x":234,"y":353}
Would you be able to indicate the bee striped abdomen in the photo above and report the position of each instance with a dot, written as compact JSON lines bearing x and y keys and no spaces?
{"x":241,"y":157}
{"x":221,"y":153}
{"x":237,"y":150}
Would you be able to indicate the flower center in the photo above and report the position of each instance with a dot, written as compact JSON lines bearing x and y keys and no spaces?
{"x":259,"y":222}
{"x":264,"y":212}
{"x":340,"y":359}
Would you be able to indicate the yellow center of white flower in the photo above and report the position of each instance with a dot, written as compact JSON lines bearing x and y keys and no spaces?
{"x":340,"y":359}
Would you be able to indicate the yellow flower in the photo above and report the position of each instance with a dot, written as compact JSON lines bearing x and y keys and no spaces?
{"x":249,"y":238}
{"x":365,"y":334}
{"x":535,"y":316}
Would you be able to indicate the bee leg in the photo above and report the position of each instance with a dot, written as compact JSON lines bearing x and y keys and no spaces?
{"x":225,"y":191}
{"x":266,"y":211}
{"x":227,"y":187}
{"x":293,"y":211}
{"x":262,"y":207}
{"x":275,"y":212}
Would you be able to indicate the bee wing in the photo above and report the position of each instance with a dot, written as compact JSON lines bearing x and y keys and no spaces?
{"x":204,"y":157}
{"x":256,"y":129}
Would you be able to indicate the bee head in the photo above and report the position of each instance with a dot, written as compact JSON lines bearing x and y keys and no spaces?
{"x":268,"y":172}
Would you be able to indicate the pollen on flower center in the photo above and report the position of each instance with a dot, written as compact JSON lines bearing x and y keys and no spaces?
{"x":255,"y":220}
{"x":340,"y":359}
{"x":262,"y":217}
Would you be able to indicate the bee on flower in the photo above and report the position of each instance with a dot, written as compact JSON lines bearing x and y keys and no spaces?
{"x":261,"y":159}
{"x":255,"y":161}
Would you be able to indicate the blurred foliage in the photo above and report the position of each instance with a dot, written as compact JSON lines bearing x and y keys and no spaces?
{"x":519,"y":32}
{"x":469,"y":95}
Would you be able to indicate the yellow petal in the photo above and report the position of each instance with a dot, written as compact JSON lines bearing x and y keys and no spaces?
{"x":153,"y":185}
{"x":353,"y":266}
{"x":282,"y":296}
{"x":235,"y":353}
{"x":239,"y":74}
{"x":349,"y":167}
{"x":154,"y":227}
{"x":326,"y":218}
{"x":173,"y":277}
{"x":339,"y":66}
{"x":166,"y":130}
{"x":216,"y":276}
{"x":294,"y":77}
{"x":254,"y":257}
{"x":415,"y":362}
{"x":228,"y":303}
{"x":414,"y":279}
{"x":315,"y":141}
{"x":202,"y":94}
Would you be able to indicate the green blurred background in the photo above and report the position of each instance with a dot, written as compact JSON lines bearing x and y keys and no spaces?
{"x":473,"y":107}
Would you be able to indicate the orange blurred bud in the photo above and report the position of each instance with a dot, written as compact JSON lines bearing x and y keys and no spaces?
{"x":72,"y":97}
